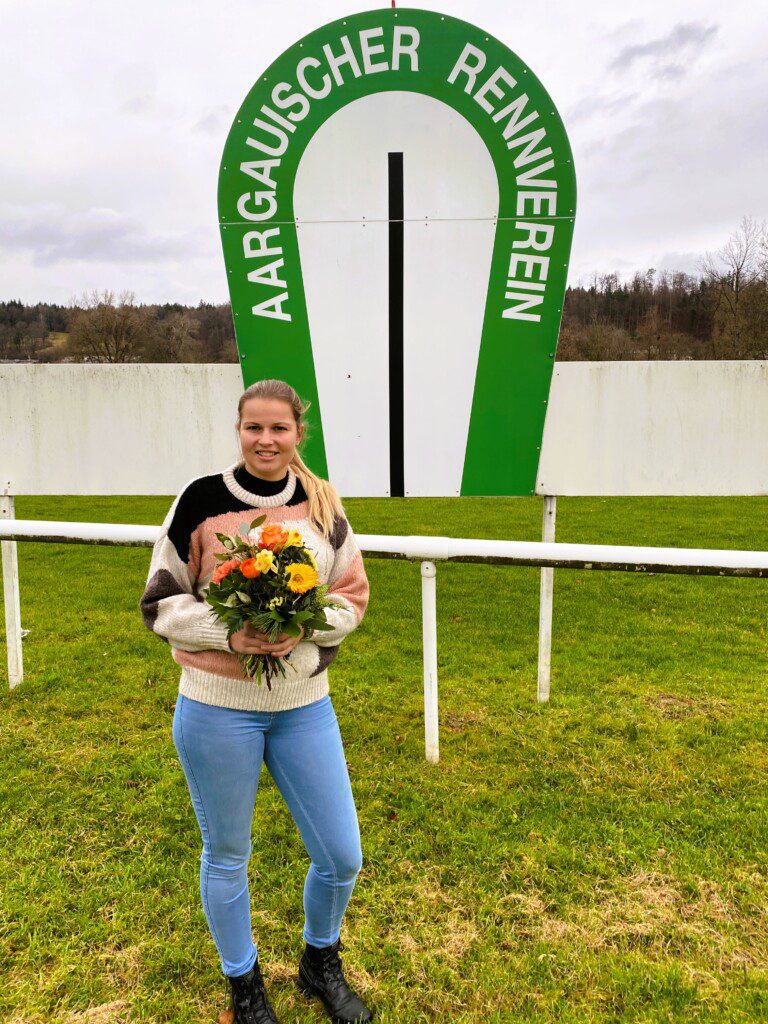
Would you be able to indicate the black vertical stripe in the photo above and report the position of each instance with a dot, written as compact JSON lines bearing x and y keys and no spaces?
{"x":396,"y":205}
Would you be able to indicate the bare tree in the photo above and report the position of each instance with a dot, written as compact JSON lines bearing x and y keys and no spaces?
{"x":736,"y":272}
{"x":173,"y":339}
{"x":106,"y":331}
{"x":33,"y":339}
{"x":649,"y":332}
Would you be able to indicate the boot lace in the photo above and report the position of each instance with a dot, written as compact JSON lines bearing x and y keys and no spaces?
{"x":250,"y":1002}
{"x":330,"y":964}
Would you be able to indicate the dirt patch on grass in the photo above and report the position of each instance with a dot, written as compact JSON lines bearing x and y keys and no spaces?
{"x":122,"y":965}
{"x":651,"y":911}
{"x":108,"y":1013}
{"x":440,"y":923}
{"x":458,"y":722}
{"x":650,"y":905}
{"x":676,"y":706}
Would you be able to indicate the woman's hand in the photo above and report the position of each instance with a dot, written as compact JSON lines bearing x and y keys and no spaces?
{"x":250,"y":640}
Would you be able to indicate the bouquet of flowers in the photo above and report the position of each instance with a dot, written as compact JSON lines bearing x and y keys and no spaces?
{"x":269,"y":578}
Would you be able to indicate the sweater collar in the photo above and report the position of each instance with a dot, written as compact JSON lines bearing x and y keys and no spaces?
{"x":259,"y":500}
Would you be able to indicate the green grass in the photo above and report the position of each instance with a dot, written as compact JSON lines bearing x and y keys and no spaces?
{"x":599,"y":858}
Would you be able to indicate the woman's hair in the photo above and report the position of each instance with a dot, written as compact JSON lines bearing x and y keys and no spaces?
{"x":324,"y":500}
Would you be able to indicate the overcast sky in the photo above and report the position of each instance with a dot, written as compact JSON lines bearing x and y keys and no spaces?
{"x":114,"y":116}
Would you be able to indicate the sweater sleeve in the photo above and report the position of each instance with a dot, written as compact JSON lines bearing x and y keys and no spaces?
{"x":169,"y":604}
{"x":347,"y":584}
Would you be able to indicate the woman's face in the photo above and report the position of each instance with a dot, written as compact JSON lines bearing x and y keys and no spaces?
{"x":268,"y":437}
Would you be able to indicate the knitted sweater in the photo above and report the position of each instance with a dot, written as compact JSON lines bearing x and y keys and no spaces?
{"x":182,"y":564}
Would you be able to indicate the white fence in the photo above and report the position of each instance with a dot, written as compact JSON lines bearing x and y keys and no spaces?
{"x":427,"y":550}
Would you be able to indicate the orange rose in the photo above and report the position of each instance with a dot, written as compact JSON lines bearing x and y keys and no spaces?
{"x":273,"y":537}
{"x":224,"y":569}
{"x":250,"y":569}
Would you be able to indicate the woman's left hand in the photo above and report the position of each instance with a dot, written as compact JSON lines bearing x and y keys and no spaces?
{"x":283,"y":644}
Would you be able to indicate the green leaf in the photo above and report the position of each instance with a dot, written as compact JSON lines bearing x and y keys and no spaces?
{"x":311,"y":623}
{"x":257,"y":522}
{"x":243,"y":528}
{"x":243,"y":597}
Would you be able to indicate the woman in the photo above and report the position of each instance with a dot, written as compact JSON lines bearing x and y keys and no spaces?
{"x":225,"y":724}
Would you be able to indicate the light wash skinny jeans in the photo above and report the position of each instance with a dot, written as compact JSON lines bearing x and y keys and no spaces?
{"x":221,"y":750}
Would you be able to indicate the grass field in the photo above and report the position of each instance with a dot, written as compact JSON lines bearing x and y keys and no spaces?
{"x":602,"y":857}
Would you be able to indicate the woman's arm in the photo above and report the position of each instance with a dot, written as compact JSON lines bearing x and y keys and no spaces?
{"x":169,"y":606}
{"x":347,"y":584}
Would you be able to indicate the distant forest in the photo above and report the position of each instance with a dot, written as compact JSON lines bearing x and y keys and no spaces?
{"x":720,"y":313}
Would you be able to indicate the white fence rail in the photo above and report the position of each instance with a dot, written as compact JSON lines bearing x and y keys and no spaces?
{"x":428,"y":550}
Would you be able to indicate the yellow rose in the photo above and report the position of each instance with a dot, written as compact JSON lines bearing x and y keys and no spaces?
{"x":265,"y":561}
{"x":301,"y":578}
{"x":295,"y":540}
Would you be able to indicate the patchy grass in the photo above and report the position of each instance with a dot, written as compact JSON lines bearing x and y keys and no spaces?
{"x":599,"y":858}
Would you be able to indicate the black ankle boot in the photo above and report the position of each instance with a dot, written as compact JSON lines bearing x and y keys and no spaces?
{"x":248,"y":998}
{"x":321,"y":974}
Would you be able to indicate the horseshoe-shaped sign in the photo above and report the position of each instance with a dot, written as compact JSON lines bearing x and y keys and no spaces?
{"x":396,"y":203}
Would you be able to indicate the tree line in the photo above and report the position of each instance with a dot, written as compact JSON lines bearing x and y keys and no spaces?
{"x":102,"y":327}
{"x":719,"y":313}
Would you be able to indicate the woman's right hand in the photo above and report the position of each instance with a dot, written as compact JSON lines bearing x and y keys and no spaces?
{"x":249,"y":640}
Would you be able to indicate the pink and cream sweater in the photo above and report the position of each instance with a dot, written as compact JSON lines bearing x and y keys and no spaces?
{"x":173,"y":604}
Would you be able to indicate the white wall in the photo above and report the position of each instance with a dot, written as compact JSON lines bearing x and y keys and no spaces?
{"x":612,"y":428}
{"x":141,"y":428}
{"x":656,"y":428}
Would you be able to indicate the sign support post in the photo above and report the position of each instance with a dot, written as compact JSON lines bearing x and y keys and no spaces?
{"x":13,"y":630}
{"x":429,"y":641}
{"x":546,"y":589}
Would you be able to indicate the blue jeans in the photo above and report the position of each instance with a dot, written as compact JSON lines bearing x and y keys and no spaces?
{"x":221,"y":750}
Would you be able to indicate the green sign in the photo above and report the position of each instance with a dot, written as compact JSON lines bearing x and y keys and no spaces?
{"x":486,"y":83}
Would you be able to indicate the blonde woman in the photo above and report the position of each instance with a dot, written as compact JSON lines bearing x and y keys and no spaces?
{"x":225,"y":724}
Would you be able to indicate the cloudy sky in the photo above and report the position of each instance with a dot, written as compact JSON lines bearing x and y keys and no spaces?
{"x":114,"y":116}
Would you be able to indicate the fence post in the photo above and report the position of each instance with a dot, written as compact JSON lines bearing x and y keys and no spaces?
{"x":13,"y":630}
{"x":546,"y":588}
{"x":429,"y":643}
